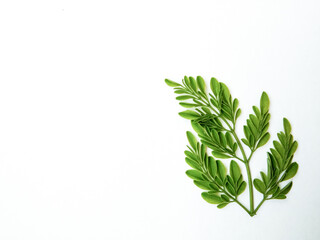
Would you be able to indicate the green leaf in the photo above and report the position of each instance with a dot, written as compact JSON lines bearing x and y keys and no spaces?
{"x":225,"y":198}
{"x":193,"y":164}
{"x":197,"y":128}
{"x":195,"y":175}
{"x":246,"y":132}
{"x":211,"y":198}
{"x":271,"y":191}
{"x":287,"y":126}
{"x":229,"y":139}
{"x":242,"y":187}
{"x":222,"y":205}
{"x":192,"y":140}
{"x":277,"y":158}
{"x":180,"y":91}
{"x":254,"y":120}
{"x":252,"y":128}
{"x":280,"y":149}
{"x":202,"y":184}
{"x":188,"y":105}
{"x":265,"y":129}
{"x":215,"y":136}
{"x":293,"y":148}
{"x":265,"y":138}
{"x":191,"y":155}
{"x":225,"y":91}
{"x":223,"y":139}
{"x":193,"y":84}
{"x":221,"y":170}
{"x":214,"y":186}
{"x":206,"y":110}
{"x":259,"y":185}
{"x":235,"y":104}
{"x":245,"y":141}
{"x":220,"y":155}
{"x":282,"y":137}
{"x":172,"y":83}
{"x":230,"y":180}
{"x":184,"y":97}
{"x":291,"y":171}
{"x":264,"y":178}
{"x":238,"y":114}
{"x":234,"y":147}
{"x":240,"y":180}
{"x":215,"y":86}
{"x":188,"y":114}
{"x":280,"y":197}
{"x":231,"y":189}
{"x":201,"y":84}
{"x":264,"y":103}
{"x":286,"y":189}
{"x":257,"y":112}
{"x":276,"y":192}
{"x":235,"y":171}
{"x":251,"y":140}
{"x":212,"y":167}
{"x":218,"y":181}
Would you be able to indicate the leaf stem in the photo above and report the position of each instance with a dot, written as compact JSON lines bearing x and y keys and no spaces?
{"x":236,"y":200}
{"x":246,"y":162}
{"x":250,"y":155}
{"x":235,"y":156}
{"x":250,"y":186}
{"x":264,"y":198}
{"x":239,"y":144}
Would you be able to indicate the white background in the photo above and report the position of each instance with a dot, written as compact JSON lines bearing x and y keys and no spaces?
{"x":91,"y":145}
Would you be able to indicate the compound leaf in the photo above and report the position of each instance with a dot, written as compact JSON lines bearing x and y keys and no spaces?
{"x":213,"y":118}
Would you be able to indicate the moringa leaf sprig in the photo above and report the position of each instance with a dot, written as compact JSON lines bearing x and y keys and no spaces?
{"x":213,"y":117}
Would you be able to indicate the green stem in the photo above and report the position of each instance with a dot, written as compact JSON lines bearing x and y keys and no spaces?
{"x":235,"y":200}
{"x":238,"y":158}
{"x":252,"y":151}
{"x":246,"y":162}
{"x":264,"y":198}
{"x":250,"y":186}
{"x":239,"y":144}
